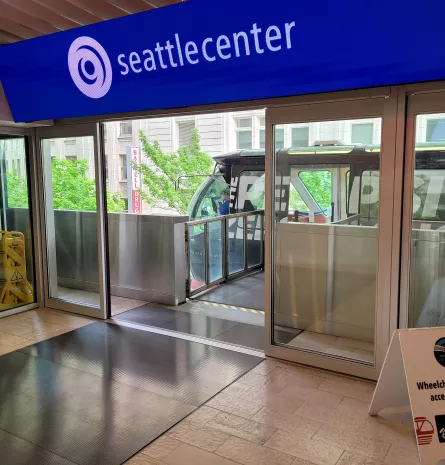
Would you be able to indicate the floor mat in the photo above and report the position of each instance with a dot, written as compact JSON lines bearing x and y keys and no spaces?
{"x":99,"y":394}
{"x":232,"y":332}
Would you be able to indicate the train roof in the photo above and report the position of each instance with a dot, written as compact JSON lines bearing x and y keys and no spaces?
{"x":256,"y":157}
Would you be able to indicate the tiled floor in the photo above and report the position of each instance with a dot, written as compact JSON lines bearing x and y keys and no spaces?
{"x":281,"y":414}
{"x":277,"y":414}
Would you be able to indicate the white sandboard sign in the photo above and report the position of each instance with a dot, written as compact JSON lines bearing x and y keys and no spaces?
{"x":414,"y":373}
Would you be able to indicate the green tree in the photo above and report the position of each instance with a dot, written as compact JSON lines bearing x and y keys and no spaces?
{"x":162,"y":170}
{"x":17,"y":190}
{"x":319,"y":185}
{"x":72,"y":188}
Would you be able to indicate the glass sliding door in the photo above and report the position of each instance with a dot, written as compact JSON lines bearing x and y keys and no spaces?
{"x":423,"y":258}
{"x":74,"y":220}
{"x":329,"y":237}
{"x":17,"y":278}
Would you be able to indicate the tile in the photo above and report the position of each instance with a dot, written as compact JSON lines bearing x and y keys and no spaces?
{"x":13,"y":328}
{"x":247,"y":453}
{"x":245,"y":335}
{"x":234,"y":405}
{"x":189,"y":455}
{"x":201,"y":416}
{"x":294,"y":377}
{"x":326,"y":399}
{"x":361,"y":390}
{"x":284,"y":335}
{"x":199,"y":325}
{"x":143,"y":460}
{"x":205,"y":438}
{"x":400,"y":456}
{"x":273,"y":399}
{"x":351,"y":458}
{"x":39,"y":335}
{"x":353,"y":441}
{"x":255,"y":380}
{"x":315,"y":412}
{"x":5,"y":349}
{"x":161,"y":447}
{"x":236,"y":389}
{"x":13,"y":341}
{"x":299,"y":392}
{"x":397,"y":434}
{"x":314,"y":451}
{"x":291,"y":423}
{"x":264,"y":367}
{"x":241,"y":427}
{"x":349,"y":414}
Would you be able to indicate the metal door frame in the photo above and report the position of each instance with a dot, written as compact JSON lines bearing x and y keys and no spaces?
{"x":418,"y":99}
{"x":370,"y":103}
{"x":77,"y":130}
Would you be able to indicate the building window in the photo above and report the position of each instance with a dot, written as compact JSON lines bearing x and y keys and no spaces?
{"x":435,"y":130}
{"x":126,"y":129}
{"x":279,"y":134}
{"x":185,"y":132}
{"x":123,"y":167}
{"x":362,"y":133}
{"x":243,"y":133}
{"x":300,"y":137}
{"x":279,"y":137}
{"x":71,"y":157}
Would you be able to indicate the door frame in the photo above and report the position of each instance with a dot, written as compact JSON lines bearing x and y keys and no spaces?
{"x":77,"y":130}
{"x":419,"y":99}
{"x":368,"y":104}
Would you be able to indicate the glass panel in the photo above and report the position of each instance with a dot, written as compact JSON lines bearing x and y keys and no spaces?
{"x":250,"y":195}
{"x":216,"y":251}
{"x":300,"y":137}
{"x":427,"y":264}
{"x":235,"y":245}
{"x":244,"y":122}
{"x":197,"y":257}
{"x":244,"y":140}
{"x":254,"y":240}
{"x":362,"y":133}
{"x":325,"y":277}
{"x":16,"y":236}
{"x":279,"y":137}
{"x":71,"y":221}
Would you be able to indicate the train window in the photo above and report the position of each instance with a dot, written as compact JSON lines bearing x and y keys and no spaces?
{"x":250,"y":194}
{"x":208,"y":198}
{"x":296,"y":203}
{"x":319,"y":185}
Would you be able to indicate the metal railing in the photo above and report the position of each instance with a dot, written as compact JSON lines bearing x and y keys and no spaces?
{"x":223,"y":248}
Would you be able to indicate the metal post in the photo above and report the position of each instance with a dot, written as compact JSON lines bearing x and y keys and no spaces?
{"x":245,"y":242}
{"x":206,"y":252}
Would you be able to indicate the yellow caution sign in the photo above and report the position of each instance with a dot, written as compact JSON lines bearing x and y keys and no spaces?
{"x":14,"y":286}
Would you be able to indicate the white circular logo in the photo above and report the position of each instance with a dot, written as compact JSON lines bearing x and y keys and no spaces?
{"x":90,"y":67}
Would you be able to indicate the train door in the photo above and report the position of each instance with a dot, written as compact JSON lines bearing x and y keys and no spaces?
{"x":422,"y":289}
{"x":326,"y":260}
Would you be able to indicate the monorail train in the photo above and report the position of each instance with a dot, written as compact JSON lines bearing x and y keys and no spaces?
{"x":326,"y":183}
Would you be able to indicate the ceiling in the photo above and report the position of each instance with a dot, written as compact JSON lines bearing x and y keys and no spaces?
{"x":25,"y":19}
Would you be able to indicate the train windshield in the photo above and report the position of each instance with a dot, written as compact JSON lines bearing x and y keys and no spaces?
{"x":209,"y":198}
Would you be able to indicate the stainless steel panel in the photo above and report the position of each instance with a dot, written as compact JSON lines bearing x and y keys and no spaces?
{"x":145,"y":254}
